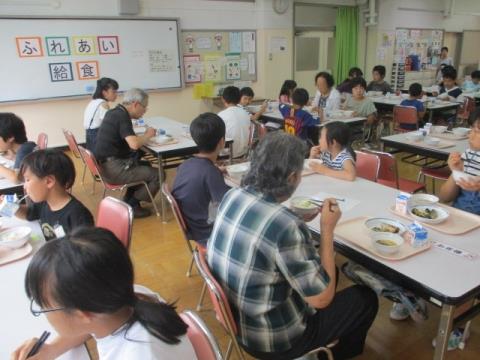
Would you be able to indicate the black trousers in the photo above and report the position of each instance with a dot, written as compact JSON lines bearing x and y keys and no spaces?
{"x":347,"y":319}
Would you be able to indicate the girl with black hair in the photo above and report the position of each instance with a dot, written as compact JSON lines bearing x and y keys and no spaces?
{"x":84,"y":285}
{"x":285,"y":96}
{"x":336,"y":155}
{"x":105,"y":92}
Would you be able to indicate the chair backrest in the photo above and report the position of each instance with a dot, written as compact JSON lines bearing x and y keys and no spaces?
{"x":405,"y":115}
{"x":42,"y":141}
{"x":202,"y":339}
{"x":467,"y":107}
{"x":72,"y":143}
{"x":90,"y":161}
{"x":388,"y":166}
{"x":177,"y":213}
{"x":220,"y":302}
{"x":116,"y":216}
{"x":367,"y":165}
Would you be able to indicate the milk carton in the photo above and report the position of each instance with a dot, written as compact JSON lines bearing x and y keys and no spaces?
{"x":417,"y":235}
{"x":401,"y":203}
{"x":9,"y":205}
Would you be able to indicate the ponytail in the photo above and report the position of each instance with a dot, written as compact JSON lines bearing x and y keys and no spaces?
{"x":159,"y":319}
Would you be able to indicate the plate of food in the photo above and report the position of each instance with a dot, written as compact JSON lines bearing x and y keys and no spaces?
{"x":384,"y":225}
{"x":429,"y":214}
{"x":303,"y":206}
{"x":422,"y":199}
{"x":16,"y":237}
{"x":387,"y":243}
{"x":238,"y":170}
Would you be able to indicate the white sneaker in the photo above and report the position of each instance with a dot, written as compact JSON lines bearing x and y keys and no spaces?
{"x":399,"y":312}
{"x":456,"y":337}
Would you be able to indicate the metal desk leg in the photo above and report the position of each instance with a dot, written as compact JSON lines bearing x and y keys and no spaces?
{"x":430,"y":115}
{"x":161,"y":180}
{"x":444,"y":328}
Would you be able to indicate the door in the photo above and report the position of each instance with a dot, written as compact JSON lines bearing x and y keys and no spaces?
{"x":314,"y":52}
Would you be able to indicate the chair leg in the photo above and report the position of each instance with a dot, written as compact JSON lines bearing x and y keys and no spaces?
{"x":238,"y":350}
{"x":151,"y":198}
{"x":202,"y":296}
{"x":229,"y":350}
{"x":189,"y":271}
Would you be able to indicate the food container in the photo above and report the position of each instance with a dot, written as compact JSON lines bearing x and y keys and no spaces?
{"x":238,"y":170}
{"x":414,"y":136}
{"x":401,"y":203}
{"x":9,"y":205}
{"x":416,"y":235}
{"x":429,"y":214}
{"x":302,"y":206}
{"x":461,"y":131}
{"x":432,"y":141}
{"x":15,"y":237}
{"x":422,"y":199}
{"x":384,"y":225}
{"x":460,"y":175}
{"x":437,"y":129}
{"x":387,"y":243}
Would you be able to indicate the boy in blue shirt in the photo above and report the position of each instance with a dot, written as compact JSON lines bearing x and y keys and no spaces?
{"x":298,"y":121}
{"x":415,"y":92}
{"x":199,"y":185}
{"x":472,"y":85}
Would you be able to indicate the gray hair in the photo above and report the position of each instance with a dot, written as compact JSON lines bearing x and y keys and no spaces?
{"x":135,"y":95}
{"x":276,"y":156}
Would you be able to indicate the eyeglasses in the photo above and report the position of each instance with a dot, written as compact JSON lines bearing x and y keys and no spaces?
{"x":34,"y":306}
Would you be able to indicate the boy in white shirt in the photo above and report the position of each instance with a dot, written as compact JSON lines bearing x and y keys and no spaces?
{"x":237,"y":121}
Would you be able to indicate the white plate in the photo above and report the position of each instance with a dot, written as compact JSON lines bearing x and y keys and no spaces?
{"x":16,"y":237}
{"x":386,"y":249}
{"x":238,"y":170}
{"x":376,"y":222}
{"x":307,"y":163}
{"x":442,"y":214}
{"x":422,"y":199}
{"x":457,"y":175}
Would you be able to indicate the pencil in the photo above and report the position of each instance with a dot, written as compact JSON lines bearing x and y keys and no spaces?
{"x":39,"y":344}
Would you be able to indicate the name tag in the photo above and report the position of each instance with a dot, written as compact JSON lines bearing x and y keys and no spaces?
{"x":59,"y":232}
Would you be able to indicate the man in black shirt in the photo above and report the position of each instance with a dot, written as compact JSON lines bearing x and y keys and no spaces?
{"x":117,"y":146}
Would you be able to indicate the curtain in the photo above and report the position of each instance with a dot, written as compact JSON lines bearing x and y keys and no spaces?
{"x":346,"y":42}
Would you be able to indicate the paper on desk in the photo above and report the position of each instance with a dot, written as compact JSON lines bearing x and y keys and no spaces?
{"x":345,"y":206}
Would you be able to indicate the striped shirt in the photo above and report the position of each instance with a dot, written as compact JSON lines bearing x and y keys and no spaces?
{"x":337,"y":162}
{"x":264,"y":259}
{"x":471,"y":162}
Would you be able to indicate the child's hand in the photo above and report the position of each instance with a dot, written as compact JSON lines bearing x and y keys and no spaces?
{"x":263,"y":108}
{"x":455,"y":161}
{"x":315,"y":109}
{"x":315,"y":152}
{"x":223,"y":169}
{"x":470,"y":185}
{"x":318,"y":168}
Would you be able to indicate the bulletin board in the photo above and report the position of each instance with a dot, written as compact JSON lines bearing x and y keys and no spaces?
{"x":62,"y":57}
{"x":426,"y":43}
{"x":219,"y":57}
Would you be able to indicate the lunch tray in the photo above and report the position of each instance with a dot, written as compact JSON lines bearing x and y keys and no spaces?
{"x":156,"y":144}
{"x":355,"y":232}
{"x":450,"y":136}
{"x":458,"y":222}
{"x":423,"y":144}
{"x":10,"y":255}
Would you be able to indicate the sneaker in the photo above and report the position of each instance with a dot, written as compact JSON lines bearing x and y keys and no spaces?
{"x":399,"y":312}
{"x":456,"y":337}
{"x":139,"y":212}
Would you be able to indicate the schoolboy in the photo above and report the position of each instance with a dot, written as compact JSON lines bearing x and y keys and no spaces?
{"x":236,"y":119}
{"x":415,"y":94}
{"x":298,"y":121}
{"x":48,"y":175}
{"x":246,"y":97}
{"x":199,"y":185}
{"x":378,"y":83}
{"x":13,"y":144}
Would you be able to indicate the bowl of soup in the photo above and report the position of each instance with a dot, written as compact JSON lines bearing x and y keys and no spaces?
{"x":303,"y":206}
{"x":387,"y":243}
{"x":16,"y":237}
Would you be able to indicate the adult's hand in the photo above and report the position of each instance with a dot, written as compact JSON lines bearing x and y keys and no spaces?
{"x":150,"y":132}
{"x":330,"y":215}
{"x":22,"y":351}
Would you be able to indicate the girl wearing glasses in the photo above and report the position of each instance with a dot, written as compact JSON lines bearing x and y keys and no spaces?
{"x":84,"y":285}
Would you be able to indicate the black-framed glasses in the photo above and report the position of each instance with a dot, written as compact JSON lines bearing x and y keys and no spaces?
{"x":34,"y":306}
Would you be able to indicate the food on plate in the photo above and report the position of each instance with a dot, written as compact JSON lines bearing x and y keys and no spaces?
{"x":304,"y":204}
{"x":387,"y":242}
{"x":386,"y":228}
{"x":425,"y":213}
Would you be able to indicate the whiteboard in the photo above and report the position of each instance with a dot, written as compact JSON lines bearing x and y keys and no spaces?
{"x":63,"y":57}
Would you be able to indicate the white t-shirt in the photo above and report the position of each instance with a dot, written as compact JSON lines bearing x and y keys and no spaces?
{"x":333,"y":100}
{"x":138,"y":344}
{"x":94,"y":110}
{"x":237,"y":126}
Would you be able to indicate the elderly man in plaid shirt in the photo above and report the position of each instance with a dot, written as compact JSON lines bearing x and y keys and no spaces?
{"x":281,"y":288}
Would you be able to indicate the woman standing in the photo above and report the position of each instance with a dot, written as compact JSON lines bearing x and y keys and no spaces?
{"x":106,"y":92}
{"x":327,"y":97}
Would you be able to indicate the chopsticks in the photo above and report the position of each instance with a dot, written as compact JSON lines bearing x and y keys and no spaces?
{"x":320,"y":202}
{"x":39,"y":344}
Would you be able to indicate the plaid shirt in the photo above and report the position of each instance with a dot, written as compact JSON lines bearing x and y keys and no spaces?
{"x":264,"y":258}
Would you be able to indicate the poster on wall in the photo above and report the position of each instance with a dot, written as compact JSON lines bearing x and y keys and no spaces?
{"x":212,"y":66}
{"x":193,"y":68}
{"x":232,"y":67}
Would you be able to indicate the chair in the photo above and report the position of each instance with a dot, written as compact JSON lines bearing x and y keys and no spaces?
{"x":94,"y":169}
{"x":177,"y":213}
{"x":42,"y":141}
{"x":116,"y":216}
{"x":367,"y":165}
{"x":73,"y":146}
{"x":465,"y":110}
{"x":202,"y":339}
{"x":404,"y":115}
{"x":221,"y":306}
{"x":435,"y":173}
{"x":388,"y":174}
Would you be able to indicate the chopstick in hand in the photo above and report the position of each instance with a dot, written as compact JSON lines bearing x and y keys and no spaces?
{"x":38,"y":344}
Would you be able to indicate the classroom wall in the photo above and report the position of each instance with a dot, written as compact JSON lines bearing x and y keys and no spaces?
{"x":52,"y":115}
{"x":422,"y":14}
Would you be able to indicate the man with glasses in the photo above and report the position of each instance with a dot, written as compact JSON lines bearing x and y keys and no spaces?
{"x":118,"y":147}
